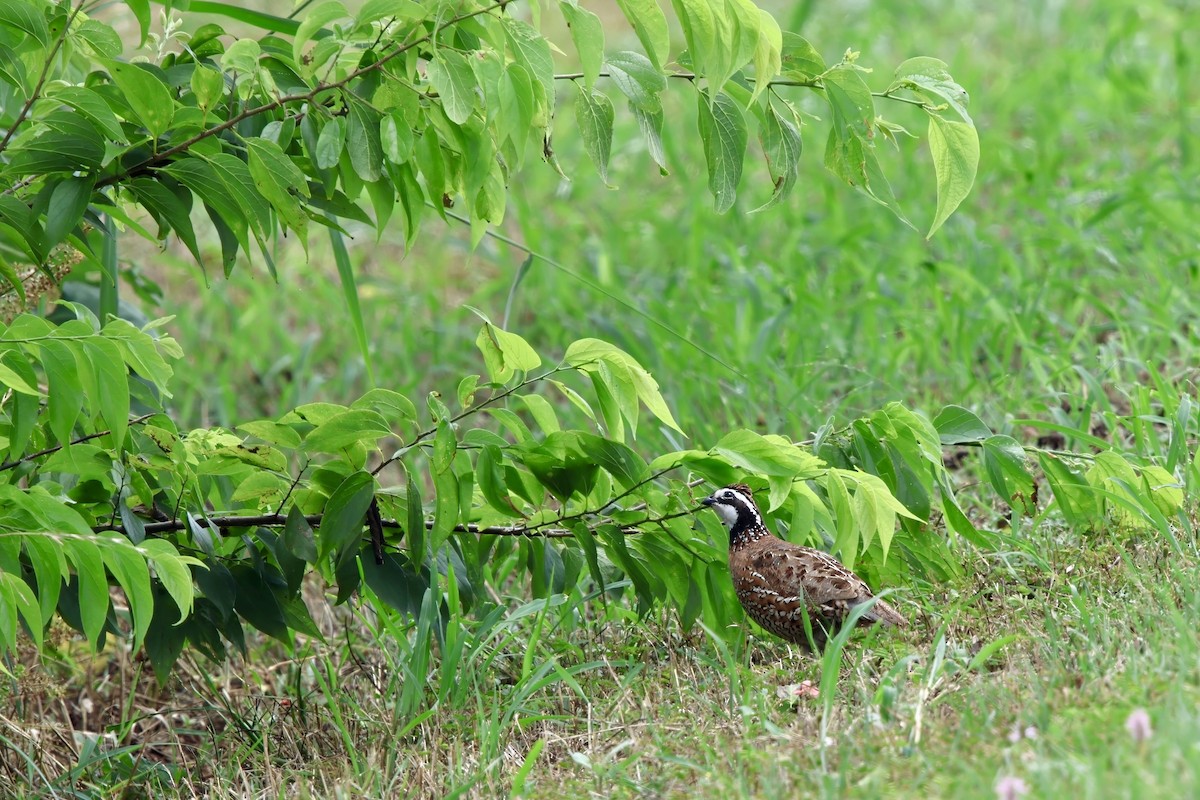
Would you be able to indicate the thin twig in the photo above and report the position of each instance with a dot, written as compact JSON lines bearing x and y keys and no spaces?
{"x":475,"y":409}
{"x":302,"y":97}
{"x":16,"y":463}
{"x":278,"y":520}
{"x":35,"y":95}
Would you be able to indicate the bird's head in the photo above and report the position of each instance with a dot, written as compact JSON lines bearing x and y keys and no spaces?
{"x":735,"y":506}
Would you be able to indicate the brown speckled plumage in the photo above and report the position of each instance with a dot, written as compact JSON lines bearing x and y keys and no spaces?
{"x":776,"y":581}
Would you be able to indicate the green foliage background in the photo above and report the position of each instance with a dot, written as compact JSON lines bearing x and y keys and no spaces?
{"x":1043,"y":329}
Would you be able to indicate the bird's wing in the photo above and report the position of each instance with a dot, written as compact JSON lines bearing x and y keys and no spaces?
{"x":823,"y":582}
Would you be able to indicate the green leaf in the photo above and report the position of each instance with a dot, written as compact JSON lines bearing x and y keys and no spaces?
{"x":723,"y":132}
{"x":638,"y":79}
{"x":1076,"y":499}
{"x":594,"y":115}
{"x":1004,"y":462}
{"x":650,"y":24}
{"x":362,"y":140}
{"x":799,"y":60}
{"x":172,"y":571}
{"x":278,"y":179}
{"x":242,"y":56}
{"x":92,"y":584}
{"x":541,"y":411}
{"x":141,"y":12}
{"x":355,"y":425}
{"x":208,"y":86}
{"x":516,"y":105}
{"x":373,"y":10}
{"x":91,"y":105}
{"x":15,"y":595}
{"x":257,"y":603}
{"x":164,"y":642}
{"x":27,"y":17}
{"x":1164,"y":489}
{"x":768,"y":59}
{"x":298,"y":536}
{"x":504,"y":352}
{"x":100,"y":39}
{"x":767,"y":455}
{"x":66,"y":388}
{"x":396,"y":139}
{"x":249,"y":16}
{"x":49,"y":563}
{"x":394,"y":406}
{"x":70,"y":143}
{"x":593,"y":355}
{"x":956,"y":425}
{"x":561,"y":465}
{"x":342,"y":523}
{"x":148,"y":96}
{"x":588,"y":35}
{"x":11,"y":379}
{"x":618,"y":459}
{"x":314,"y":19}
{"x":451,"y":75}
{"x":532,"y":50}
{"x":112,"y":384}
{"x":955,"y":149}
{"x":172,"y":212}
{"x":490,"y":478}
{"x":330,"y":144}
{"x":781,"y":144}
{"x":651,"y":125}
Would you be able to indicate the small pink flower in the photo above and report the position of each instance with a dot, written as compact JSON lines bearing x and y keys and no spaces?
{"x":1138,"y":725}
{"x":1011,"y":788}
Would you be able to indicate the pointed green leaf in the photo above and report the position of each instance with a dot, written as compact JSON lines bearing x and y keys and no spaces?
{"x":723,"y":132}
{"x":588,"y":35}
{"x":594,"y":115}
{"x":955,"y":149}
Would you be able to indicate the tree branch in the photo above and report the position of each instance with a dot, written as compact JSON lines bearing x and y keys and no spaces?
{"x":18,"y":462}
{"x":475,"y":409}
{"x":279,"y":520}
{"x":302,"y":97}
{"x":41,"y":81}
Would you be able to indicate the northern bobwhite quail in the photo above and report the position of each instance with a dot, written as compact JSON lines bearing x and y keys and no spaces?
{"x":776,"y":581}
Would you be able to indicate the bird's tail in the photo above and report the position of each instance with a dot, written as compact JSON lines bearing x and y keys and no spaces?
{"x":882,"y":612}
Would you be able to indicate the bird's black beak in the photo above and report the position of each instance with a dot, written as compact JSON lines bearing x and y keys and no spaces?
{"x":708,"y":501}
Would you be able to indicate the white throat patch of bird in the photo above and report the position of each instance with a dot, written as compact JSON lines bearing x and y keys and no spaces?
{"x":779,"y":583}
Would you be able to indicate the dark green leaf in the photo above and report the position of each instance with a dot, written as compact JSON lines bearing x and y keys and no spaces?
{"x":396,"y":583}
{"x":362,"y":140}
{"x":27,"y":17}
{"x":342,"y":523}
{"x":69,"y":200}
{"x":257,"y":603}
{"x":617,"y":459}
{"x":490,"y":477}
